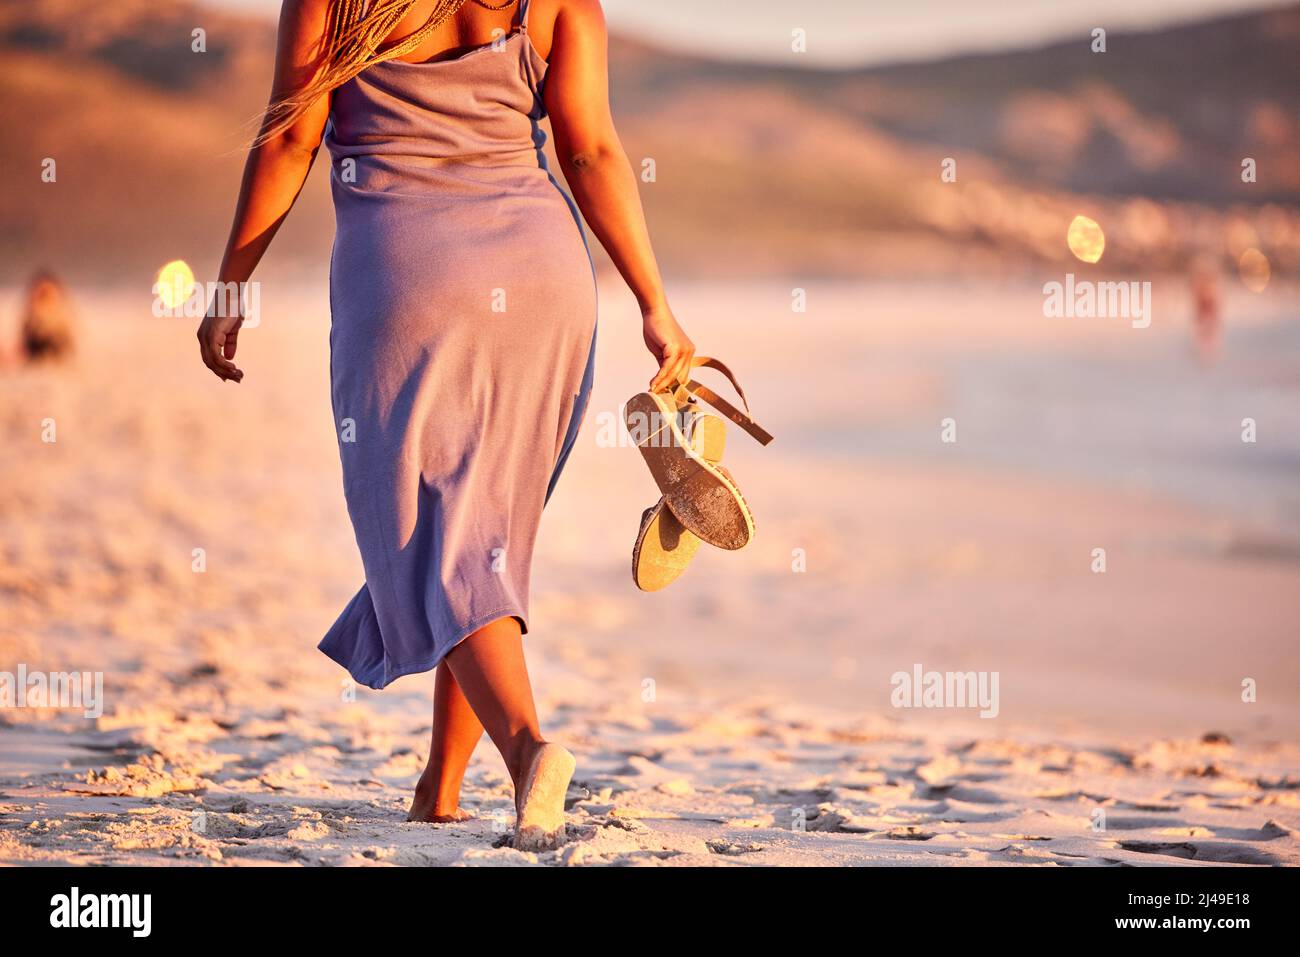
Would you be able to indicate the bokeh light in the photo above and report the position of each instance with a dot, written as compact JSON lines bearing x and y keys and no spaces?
{"x":1085,"y":239}
{"x":174,"y":282}
{"x":1254,"y":269}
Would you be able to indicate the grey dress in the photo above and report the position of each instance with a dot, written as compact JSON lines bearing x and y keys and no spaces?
{"x":462,"y":343}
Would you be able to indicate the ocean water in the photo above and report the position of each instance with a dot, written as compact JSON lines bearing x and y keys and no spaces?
{"x":1138,"y":412}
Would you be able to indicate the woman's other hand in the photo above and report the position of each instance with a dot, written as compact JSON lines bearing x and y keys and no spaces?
{"x":218,"y":336}
{"x":670,"y":346}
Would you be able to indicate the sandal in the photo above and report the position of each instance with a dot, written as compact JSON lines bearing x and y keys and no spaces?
{"x":664,"y":546}
{"x":701,"y":494}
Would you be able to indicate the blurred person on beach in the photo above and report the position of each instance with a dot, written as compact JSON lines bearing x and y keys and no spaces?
{"x":462,"y":332}
{"x":47,"y":330}
{"x":1207,"y":318}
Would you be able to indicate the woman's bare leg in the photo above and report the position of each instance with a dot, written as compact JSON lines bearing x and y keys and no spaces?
{"x":490,"y":669}
{"x":456,"y":731}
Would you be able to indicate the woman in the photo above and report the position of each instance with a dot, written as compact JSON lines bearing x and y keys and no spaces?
{"x":462,"y":333}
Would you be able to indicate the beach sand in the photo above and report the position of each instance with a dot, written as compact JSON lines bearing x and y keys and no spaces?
{"x":743,"y":716}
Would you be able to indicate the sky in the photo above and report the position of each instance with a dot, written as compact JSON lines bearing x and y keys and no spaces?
{"x":852,"y":32}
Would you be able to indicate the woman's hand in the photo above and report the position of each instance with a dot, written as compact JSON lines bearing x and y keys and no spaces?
{"x":670,"y":346}
{"x":274,"y":173}
{"x":218,"y":336}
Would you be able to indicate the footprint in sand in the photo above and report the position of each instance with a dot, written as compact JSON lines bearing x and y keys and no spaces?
{"x":1172,"y":824}
{"x":1217,"y":852}
{"x":958,"y":792}
{"x":825,"y":817}
{"x":729,"y":849}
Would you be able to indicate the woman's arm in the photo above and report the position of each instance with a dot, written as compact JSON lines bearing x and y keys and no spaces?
{"x":601,"y":178}
{"x":273,"y":174}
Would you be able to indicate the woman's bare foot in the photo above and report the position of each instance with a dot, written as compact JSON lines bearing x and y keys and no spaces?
{"x":539,"y":799}
{"x":426,"y":807}
{"x":456,"y":815}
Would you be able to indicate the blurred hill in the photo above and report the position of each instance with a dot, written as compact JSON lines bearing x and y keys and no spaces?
{"x":760,"y":169}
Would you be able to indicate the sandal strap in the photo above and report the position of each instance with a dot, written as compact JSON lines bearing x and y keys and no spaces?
{"x":682,"y":393}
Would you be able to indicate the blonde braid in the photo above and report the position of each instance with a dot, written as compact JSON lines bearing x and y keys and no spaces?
{"x":354,"y":30}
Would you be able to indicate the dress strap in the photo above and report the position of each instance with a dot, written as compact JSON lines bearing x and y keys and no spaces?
{"x":523,"y":16}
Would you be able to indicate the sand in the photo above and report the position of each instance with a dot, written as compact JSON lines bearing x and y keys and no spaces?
{"x":743,"y":716}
